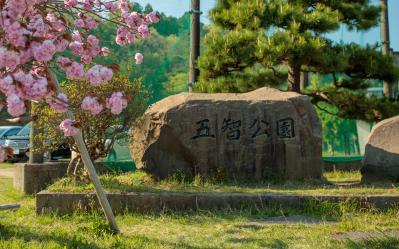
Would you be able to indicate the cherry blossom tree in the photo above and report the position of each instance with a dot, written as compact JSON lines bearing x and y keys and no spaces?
{"x":36,"y":36}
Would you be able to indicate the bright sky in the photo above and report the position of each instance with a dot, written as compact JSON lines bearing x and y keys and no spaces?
{"x":178,"y":7}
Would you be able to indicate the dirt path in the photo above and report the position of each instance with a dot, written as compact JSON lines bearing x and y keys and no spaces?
{"x":7,"y":172}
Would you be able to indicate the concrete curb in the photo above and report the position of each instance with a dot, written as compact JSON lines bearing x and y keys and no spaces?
{"x":144,"y":202}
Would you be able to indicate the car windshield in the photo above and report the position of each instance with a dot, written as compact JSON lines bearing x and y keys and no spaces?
{"x":24,"y":131}
{"x":2,"y":130}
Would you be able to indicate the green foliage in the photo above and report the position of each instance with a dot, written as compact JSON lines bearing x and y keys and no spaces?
{"x":176,"y":84}
{"x":100,"y":131}
{"x":339,"y":135}
{"x":252,"y":43}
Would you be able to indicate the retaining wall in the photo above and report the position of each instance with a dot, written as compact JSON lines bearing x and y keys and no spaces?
{"x":33,"y":178}
{"x":68,"y":203}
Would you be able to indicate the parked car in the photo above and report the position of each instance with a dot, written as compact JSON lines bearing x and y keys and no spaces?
{"x":7,"y":131}
{"x":20,"y":145}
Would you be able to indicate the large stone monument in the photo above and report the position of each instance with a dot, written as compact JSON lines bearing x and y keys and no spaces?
{"x":261,"y":134}
{"x":381,"y":157}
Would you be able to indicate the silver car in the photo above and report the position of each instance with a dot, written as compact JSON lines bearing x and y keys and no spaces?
{"x":19,"y":142}
{"x":7,"y":131}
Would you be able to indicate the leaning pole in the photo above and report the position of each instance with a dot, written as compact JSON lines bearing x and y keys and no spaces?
{"x":194,"y":43}
{"x":102,"y":198}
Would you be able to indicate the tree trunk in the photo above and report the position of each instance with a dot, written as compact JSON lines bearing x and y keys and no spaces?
{"x":72,"y":164}
{"x":304,"y":80}
{"x":294,"y":78}
{"x":16,"y":121}
{"x":34,"y":143}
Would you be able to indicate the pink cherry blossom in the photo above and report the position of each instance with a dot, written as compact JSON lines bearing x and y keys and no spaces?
{"x":152,"y":18}
{"x":99,"y":74}
{"x":143,"y":30}
{"x":75,"y":71}
{"x":45,"y":51}
{"x":61,"y":44}
{"x":116,"y":103}
{"x":105,"y":51}
{"x":139,"y":58}
{"x":110,"y":6}
{"x":59,"y":103}
{"x":38,"y":90}
{"x":93,"y":40}
{"x":7,"y":85}
{"x":134,"y":20}
{"x":92,"y":105}
{"x":91,"y":23}
{"x":68,"y":127}
{"x":71,"y":3}
{"x":16,"y":107}
{"x":33,"y":31}
{"x":76,"y":48}
{"x":123,"y":6}
{"x":26,"y":79}
{"x":11,"y":60}
{"x":80,"y":23}
{"x":77,"y":36}
{"x":64,"y":62}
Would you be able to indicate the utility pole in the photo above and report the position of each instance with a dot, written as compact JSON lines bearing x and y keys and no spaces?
{"x":388,"y":87}
{"x":194,"y":43}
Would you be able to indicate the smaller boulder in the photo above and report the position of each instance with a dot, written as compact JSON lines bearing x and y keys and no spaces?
{"x":381,"y":158}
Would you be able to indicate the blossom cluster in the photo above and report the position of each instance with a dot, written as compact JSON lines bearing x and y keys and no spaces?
{"x":34,"y":34}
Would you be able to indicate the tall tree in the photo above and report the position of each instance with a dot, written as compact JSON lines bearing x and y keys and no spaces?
{"x":255,"y":43}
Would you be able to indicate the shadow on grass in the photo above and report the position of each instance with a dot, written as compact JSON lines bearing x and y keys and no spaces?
{"x":275,"y":244}
{"x":374,"y":243}
{"x":81,"y":240}
{"x":11,"y":232}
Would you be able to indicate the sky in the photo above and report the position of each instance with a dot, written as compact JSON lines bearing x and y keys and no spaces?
{"x":178,"y":7}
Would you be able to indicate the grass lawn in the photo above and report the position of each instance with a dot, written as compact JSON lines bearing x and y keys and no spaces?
{"x":6,"y":165}
{"x":345,"y":183}
{"x":203,"y":229}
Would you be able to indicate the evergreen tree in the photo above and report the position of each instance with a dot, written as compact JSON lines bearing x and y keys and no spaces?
{"x":256,"y":43}
{"x":148,"y":8}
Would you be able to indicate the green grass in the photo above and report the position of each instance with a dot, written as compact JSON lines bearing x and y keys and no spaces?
{"x":344,"y":183}
{"x":196,"y":230}
{"x":6,"y":166}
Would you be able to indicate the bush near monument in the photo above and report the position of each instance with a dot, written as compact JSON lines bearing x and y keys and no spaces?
{"x":99,"y":131}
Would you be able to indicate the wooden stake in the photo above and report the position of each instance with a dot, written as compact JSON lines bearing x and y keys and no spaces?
{"x":102,"y":198}
{"x":9,"y":206}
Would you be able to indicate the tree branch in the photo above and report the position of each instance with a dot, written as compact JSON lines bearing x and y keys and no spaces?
{"x":17,"y":121}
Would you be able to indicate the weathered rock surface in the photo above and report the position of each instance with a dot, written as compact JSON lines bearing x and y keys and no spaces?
{"x":381,"y":158}
{"x":261,"y":134}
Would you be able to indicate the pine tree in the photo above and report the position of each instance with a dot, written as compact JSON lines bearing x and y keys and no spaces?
{"x":256,"y":43}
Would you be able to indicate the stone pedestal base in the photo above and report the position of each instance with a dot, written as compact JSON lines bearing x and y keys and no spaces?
{"x":33,"y":178}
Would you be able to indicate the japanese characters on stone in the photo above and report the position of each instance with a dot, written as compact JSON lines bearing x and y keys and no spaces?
{"x":232,"y":129}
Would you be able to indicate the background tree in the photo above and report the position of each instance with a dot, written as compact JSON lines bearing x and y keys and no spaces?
{"x":256,"y":43}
